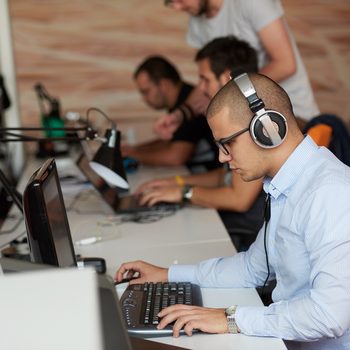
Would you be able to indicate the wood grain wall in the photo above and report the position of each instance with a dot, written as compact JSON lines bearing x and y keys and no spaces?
{"x":85,"y":51}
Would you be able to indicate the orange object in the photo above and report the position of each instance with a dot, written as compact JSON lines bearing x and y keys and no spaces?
{"x":321,"y":134}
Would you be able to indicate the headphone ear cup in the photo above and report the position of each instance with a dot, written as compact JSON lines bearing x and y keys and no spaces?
{"x":258,"y":134}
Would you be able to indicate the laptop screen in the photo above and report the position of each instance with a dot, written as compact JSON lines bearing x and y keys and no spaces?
{"x":46,"y":219}
{"x":109,"y":194}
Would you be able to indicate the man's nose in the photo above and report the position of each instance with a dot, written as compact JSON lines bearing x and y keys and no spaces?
{"x":224,"y":158}
{"x":201,"y":86}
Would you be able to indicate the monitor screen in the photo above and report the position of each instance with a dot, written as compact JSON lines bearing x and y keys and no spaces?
{"x":46,"y":219}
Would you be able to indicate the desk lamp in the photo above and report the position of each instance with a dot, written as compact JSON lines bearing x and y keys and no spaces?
{"x":107,"y":161}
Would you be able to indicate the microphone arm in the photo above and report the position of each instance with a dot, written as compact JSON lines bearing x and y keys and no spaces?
{"x":11,"y":191}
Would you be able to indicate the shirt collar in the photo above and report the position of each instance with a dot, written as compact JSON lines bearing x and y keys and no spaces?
{"x":291,"y":170}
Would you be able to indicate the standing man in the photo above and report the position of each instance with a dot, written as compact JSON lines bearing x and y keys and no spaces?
{"x":161,"y":87}
{"x":304,"y":243}
{"x":262,"y":24}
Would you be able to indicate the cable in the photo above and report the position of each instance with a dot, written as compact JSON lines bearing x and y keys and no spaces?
{"x":113,"y":222}
{"x":7,"y":243}
{"x":267,"y":215}
{"x":142,"y":217}
{"x":148,"y":216}
{"x":95,"y":109}
{"x":79,"y":196}
{"x":12,"y":229}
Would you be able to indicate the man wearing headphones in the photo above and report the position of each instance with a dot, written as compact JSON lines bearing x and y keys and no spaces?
{"x":304,"y":243}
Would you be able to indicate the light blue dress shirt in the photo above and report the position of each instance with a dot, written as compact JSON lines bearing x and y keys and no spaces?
{"x":308,"y":245}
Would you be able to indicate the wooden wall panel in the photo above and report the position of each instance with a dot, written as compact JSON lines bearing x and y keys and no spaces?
{"x":85,"y":51}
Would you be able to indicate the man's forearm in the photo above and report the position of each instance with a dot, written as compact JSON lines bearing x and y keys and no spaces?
{"x":221,"y":198}
{"x":211,"y":178}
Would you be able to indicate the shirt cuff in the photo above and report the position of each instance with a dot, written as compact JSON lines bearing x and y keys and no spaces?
{"x":250,"y":320}
{"x":182,"y":273}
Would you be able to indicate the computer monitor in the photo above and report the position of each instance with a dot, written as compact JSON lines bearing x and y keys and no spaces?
{"x":46,"y":220}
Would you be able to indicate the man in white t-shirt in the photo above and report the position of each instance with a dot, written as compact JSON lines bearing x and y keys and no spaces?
{"x":261,"y":24}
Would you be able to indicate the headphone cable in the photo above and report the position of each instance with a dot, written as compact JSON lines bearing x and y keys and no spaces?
{"x":267,"y":216}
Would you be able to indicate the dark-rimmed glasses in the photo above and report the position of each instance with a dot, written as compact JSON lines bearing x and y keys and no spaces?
{"x":223,"y":142}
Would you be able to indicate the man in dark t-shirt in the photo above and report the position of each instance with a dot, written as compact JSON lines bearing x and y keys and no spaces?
{"x":162,"y":88}
{"x":240,"y":204}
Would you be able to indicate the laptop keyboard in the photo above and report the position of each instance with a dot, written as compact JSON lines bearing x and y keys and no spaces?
{"x":130,"y":204}
{"x":142,"y":302}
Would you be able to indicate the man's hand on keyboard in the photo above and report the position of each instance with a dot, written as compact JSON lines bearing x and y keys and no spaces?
{"x":190,"y":317}
{"x":156,"y":183}
{"x":146,"y":272}
{"x":164,"y":194}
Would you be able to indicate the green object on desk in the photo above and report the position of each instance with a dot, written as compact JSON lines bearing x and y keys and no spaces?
{"x":49,"y":121}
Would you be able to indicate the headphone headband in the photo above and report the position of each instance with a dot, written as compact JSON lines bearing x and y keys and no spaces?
{"x":248,"y":90}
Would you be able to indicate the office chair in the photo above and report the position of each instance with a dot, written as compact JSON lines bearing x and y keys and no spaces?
{"x":321,"y":134}
{"x":330,"y":131}
{"x":244,"y":227}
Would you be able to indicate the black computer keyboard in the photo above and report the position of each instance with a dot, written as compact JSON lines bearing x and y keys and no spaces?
{"x":142,"y":302}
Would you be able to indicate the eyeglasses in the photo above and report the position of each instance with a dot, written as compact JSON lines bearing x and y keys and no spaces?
{"x":223,"y":142}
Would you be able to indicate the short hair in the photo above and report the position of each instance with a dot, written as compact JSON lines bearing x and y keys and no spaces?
{"x":272,"y":94}
{"x":229,"y":53}
{"x":158,"y":67}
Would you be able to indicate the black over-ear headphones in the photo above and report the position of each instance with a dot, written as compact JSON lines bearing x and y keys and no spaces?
{"x":267,"y":128}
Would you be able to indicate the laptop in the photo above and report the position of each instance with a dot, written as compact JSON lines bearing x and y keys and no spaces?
{"x":84,"y":314}
{"x":120,"y":202}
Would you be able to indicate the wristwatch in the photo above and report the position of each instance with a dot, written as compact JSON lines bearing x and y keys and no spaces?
{"x":187,"y":192}
{"x":231,"y":319}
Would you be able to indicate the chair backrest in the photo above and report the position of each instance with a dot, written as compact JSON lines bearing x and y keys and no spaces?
{"x":321,"y":134}
{"x":330,"y":131}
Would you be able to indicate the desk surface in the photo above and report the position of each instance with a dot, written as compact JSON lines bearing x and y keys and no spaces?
{"x":190,"y":235}
{"x":187,"y":236}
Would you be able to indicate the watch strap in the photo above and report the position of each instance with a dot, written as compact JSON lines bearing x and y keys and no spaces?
{"x":187,"y":192}
{"x":231,"y":319}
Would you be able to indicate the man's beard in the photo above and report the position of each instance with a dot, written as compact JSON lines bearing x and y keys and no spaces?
{"x":203,"y":7}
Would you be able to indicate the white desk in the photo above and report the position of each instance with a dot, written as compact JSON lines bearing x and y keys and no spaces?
{"x":190,"y":235}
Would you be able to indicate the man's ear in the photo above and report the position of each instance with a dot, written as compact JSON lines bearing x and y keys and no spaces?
{"x":225,"y":77}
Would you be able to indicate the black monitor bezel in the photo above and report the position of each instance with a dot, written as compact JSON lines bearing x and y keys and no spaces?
{"x":39,"y":232}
